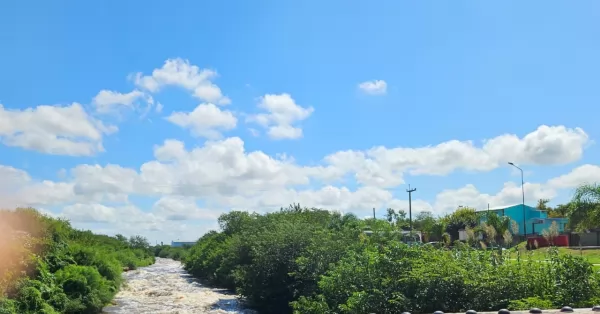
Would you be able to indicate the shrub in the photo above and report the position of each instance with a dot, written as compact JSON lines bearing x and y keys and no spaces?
{"x":314,"y":261}
{"x":529,"y":303}
{"x":66,"y":270}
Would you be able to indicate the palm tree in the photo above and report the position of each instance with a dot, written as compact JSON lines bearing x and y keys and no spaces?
{"x":500,"y":224}
{"x":585,"y":210}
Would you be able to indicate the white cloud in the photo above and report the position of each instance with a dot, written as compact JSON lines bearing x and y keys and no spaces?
{"x":91,"y":213}
{"x":222,"y":174}
{"x":179,"y":72}
{"x":56,"y":130}
{"x":282,"y":113}
{"x":219,"y":168}
{"x":182,"y":208}
{"x":109,"y":101}
{"x":111,"y":182}
{"x":511,"y":193}
{"x":586,"y":174}
{"x":381,"y":166}
{"x":375,"y":87}
{"x":207,"y":120}
{"x":548,"y":145}
{"x":223,"y":171}
{"x":120,"y":216}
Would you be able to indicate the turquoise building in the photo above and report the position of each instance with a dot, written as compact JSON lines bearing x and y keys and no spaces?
{"x":535,"y":219}
{"x":181,"y":244}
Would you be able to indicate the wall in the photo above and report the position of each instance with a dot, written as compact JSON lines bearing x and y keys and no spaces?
{"x":515,"y":213}
{"x":547,"y":223}
{"x":586,"y":239}
{"x":561,"y":240}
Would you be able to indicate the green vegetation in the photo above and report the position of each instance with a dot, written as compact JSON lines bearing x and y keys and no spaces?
{"x":175,"y":253}
{"x":305,"y":260}
{"x":590,"y":255}
{"x":46,"y":266}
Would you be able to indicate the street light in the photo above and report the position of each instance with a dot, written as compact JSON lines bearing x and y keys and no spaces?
{"x":523,"y":204}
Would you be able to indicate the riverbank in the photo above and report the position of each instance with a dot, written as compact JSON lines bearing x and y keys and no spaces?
{"x":165,"y":287}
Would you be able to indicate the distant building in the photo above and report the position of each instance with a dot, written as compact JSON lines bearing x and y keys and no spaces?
{"x":535,"y":219}
{"x":181,"y":244}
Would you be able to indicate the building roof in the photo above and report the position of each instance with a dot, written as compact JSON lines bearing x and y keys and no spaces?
{"x":505,"y":207}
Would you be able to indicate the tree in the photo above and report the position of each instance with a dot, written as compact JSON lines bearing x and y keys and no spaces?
{"x":543,"y":204}
{"x":461,"y":219}
{"x":122,"y":239}
{"x":139,"y":242}
{"x":424,"y":221}
{"x":235,"y":221}
{"x":584,"y":211}
{"x":397,"y":219}
{"x":560,"y":211}
{"x":501,"y":225}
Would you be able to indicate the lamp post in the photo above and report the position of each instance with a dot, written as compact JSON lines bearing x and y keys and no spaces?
{"x":523,"y":204}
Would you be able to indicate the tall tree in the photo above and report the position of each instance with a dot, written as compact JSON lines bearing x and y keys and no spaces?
{"x":584,"y":212}
{"x":560,"y":211}
{"x":424,"y":221}
{"x":501,"y":225}
{"x":543,"y":204}
{"x":461,"y":219}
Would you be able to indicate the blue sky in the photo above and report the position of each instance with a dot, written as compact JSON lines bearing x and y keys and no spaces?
{"x":453,"y":71}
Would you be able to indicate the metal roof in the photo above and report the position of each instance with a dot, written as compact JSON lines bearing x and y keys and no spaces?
{"x":507,"y":206}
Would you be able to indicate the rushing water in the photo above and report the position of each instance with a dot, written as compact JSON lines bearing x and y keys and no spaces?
{"x":166,"y":288}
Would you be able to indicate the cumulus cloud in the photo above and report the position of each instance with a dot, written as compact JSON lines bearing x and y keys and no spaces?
{"x":510,"y":194}
{"x":206,"y":120}
{"x":282,"y":113}
{"x":548,"y":145}
{"x":382,"y":166}
{"x":375,"y":87}
{"x":585,"y":174}
{"x":56,"y":130}
{"x":222,"y":170}
{"x":223,"y":175}
{"x":181,"y":73}
{"x":110,"y":101}
{"x":182,"y":208}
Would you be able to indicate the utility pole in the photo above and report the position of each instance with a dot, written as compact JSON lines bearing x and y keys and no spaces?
{"x":410,"y":205}
{"x":373,"y":212}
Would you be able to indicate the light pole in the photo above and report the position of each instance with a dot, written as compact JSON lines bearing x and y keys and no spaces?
{"x":523,"y":204}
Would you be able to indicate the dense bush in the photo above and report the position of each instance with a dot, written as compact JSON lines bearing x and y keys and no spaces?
{"x":51,"y":267}
{"x":315,"y":261}
{"x":175,"y":253}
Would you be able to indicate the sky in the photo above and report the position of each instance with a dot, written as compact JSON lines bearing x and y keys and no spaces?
{"x":153,"y":118}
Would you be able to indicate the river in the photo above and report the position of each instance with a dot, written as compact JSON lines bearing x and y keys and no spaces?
{"x":165,"y":287}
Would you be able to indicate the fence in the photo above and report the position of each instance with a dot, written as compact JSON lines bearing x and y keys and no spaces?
{"x":591,"y":238}
{"x":561,"y":240}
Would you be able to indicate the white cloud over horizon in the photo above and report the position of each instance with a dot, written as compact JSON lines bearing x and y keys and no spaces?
{"x":224,"y":176}
{"x":187,"y":184}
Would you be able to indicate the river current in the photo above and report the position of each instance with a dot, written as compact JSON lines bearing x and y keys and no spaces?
{"x":165,"y":287}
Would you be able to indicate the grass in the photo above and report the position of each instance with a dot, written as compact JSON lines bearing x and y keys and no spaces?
{"x":591,"y":255}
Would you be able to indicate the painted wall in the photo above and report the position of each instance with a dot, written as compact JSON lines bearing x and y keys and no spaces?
{"x":532,"y":214}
